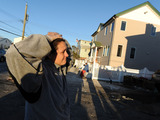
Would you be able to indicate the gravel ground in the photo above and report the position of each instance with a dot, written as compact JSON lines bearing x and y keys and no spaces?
{"x":90,"y":100}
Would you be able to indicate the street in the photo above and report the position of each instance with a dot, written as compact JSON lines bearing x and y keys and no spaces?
{"x":89,"y":99}
{"x":3,"y":67}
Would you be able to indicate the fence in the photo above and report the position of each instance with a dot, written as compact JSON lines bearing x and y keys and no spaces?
{"x":108,"y":73}
{"x":116,"y":74}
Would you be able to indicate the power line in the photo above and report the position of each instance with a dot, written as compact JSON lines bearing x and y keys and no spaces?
{"x":10,"y":15}
{"x":10,"y":26}
{"x":10,"y":32}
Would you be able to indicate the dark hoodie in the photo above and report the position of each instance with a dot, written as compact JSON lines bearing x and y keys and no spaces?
{"x":42,"y":84}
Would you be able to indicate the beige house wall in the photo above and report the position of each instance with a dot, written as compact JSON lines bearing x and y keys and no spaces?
{"x":84,"y":53}
{"x":140,"y":38}
{"x":139,"y":22}
{"x":147,"y":50}
{"x":137,"y":35}
{"x":119,"y":38}
{"x":84,"y":48}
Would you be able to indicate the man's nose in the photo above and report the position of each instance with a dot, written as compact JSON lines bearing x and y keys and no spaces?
{"x":66,"y":54}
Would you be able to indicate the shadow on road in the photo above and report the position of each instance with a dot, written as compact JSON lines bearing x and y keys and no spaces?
{"x":104,"y":107}
{"x":12,"y":107}
{"x":75,"y":84}
{"x":90,"y":100}
{"x":101,"y":100}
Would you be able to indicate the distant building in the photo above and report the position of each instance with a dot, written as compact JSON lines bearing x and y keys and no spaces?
{"x":83,"y":47}
{"x":5,"y":43}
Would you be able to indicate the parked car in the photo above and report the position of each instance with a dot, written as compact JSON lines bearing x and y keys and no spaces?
{"x":2,"y":55}
{"x":156,"y":79}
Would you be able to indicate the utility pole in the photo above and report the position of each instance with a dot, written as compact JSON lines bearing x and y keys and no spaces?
{"x":24,"y":22}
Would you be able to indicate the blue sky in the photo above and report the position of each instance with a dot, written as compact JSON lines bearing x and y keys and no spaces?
{"x":71,"y":18}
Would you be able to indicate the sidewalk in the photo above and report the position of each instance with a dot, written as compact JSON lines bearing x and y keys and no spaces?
{"x":90,"y":100}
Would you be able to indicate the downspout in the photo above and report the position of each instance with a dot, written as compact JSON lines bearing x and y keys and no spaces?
{"x":114,"y":17}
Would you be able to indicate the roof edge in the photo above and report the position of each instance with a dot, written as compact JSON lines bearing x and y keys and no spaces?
{"x":138,"y":6}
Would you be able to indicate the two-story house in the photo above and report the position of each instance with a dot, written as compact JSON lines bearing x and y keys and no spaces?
{"x":130,"y":38}
{"x":5,"y":43}
{"x":83,"y":48}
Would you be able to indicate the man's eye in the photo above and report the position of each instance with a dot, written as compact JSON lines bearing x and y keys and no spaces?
{"x":63,"y":51}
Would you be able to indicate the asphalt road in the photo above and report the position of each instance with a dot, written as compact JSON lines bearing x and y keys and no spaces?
{"x":90,"y":100}
{"x":3,"y":67}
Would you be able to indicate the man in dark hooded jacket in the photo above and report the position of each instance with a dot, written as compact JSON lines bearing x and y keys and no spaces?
{"x":35,"y":64}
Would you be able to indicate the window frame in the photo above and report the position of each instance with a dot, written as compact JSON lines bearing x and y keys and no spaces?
{"x":106,"y":50}
{"x":153,"y":31}
{"x":112,"y":27}
{"x":119,"y":53}
{"x":131,"y":52}
{"x":106,"y":30}
{"x":123,"y":25}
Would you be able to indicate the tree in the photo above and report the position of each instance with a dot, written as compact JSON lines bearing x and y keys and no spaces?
{"x":75,"y":55}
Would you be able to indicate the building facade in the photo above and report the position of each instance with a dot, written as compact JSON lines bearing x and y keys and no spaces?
{"x":83,"y":48}
{"x":130,"y":38}
{"x":5,"y":43}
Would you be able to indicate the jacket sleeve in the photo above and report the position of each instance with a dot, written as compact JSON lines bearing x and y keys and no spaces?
{"x":24,"y":61}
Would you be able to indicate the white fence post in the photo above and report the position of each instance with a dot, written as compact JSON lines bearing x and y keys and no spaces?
{"x":120,"y":78}
{"x":93,"y":69}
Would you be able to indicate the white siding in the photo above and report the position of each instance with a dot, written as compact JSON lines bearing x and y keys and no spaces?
{"x":144,"y":14}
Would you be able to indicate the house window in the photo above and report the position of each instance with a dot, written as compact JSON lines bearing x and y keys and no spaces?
{"x":112,"y":26}
{"x":106,"y":30}
{"x":153,"y":31}
{"x":119,"y":51}
{"x":108,"y":48}
{"x":101,"y":28}
{"x":123,"y":25}
{"x":106,"y":51}
{"x":85,"y":50}
{"x":132,"y":54}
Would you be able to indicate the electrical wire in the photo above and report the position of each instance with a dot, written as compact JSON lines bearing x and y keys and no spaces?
{"x":10,"y":15}
{"x":10,"y":32}
{"x":17,"y":19}
{"x":10,"y":26}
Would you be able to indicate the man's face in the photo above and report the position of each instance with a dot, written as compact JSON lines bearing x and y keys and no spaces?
{"x":61,"y":54}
